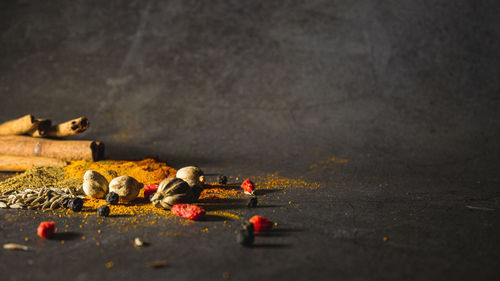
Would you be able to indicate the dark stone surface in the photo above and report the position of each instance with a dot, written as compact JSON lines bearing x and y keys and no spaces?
{"x":406,"y":90}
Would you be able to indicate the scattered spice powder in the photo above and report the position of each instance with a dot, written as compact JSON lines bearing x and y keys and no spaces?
{"x":217,"y":192}
{"x":226,"y":215}
{"x":333,"y":159}
{"x":274,"y":181}
{"x":138,"y":207}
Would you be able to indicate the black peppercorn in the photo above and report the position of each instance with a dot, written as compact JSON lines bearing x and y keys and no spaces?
{"x":222,"y":179}
{"x":252,"y":202}
{"x":245,"y":238}
{"x":248,"y":226}
{"x":103,"y":211}
{"x":75,"y":204}
{"x":112,"y":198}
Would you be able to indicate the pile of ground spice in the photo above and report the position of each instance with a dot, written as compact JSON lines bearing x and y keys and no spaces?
{"x":38,"y":177}
{"x":146,"y":171}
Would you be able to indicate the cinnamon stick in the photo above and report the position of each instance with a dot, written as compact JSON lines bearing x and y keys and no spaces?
{"x":41,"y":129}
{"x":66,"y":129}
{"x":18,"y":126}
{"x":9,"y":163}
{"x":66,"y":150}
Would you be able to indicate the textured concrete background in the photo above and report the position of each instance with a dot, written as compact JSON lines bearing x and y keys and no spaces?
{"x":220,"y":79}
{"x":406,"y":90}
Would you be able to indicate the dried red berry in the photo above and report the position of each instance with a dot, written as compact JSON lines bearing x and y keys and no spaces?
{"x":188,"y":211}
{"x":261,"y":223}
{"x":248,"y":186}
{"x":46,"y":229}
{"x":150,"y":189}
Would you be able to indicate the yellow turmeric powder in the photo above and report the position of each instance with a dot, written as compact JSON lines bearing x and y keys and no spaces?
{"x":136,"y":208}
{"x":211,"y":192}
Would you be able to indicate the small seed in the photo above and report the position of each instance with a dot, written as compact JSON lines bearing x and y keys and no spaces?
{"x":30,"y":200}
{"x":55,"y":203}
{"x":13,"y":246}
{"x":37,"y":200}
{"x":157,"y":264}
{"x":45,"y":205}
{"x":138,"y":242}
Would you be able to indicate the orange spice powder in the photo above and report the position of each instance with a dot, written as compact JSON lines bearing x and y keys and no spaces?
{"x":146,"y":171}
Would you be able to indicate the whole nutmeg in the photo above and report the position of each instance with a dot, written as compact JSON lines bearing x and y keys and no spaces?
{"x":94,"y":185}
{"x":172,"y":191}
{"x":192,"y":175}
{"x":126,"y":187}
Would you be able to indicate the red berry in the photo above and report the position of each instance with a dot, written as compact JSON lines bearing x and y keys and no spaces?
{"x":261,"y":223}
{"x":248,"y":186}
{"x":150,"y":189}
{"x":188,"y":211}
{"x":45,"y":229}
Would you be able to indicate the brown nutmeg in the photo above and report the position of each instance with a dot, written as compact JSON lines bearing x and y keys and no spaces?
{"x":94,"y":184}
{"x":126,"y":187}
{"x":192,"y":175}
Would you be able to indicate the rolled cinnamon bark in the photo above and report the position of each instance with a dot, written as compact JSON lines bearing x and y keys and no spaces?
{"x":69,"y":128}
{"x":66,"y":150}
{"x":9,"y":163}
{"x":41,"y":129}
{"x":18,"y":126}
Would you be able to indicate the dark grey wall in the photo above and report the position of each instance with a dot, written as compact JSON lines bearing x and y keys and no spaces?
{"x":406,"y":82}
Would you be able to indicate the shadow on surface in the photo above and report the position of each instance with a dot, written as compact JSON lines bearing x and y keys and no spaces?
{"x":278,"y":232}
{"x":272,"y":246}
{"x":223,"y":206}
{"x":266,"y":191}
{"x":217,"y":204}
{"x":282,"y":230}
{"x":222,"y":201}
{"x":214,"y":218}
{"x":268,"y":206}
{"x":65,"y":236}
{"x":271,"y":234}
